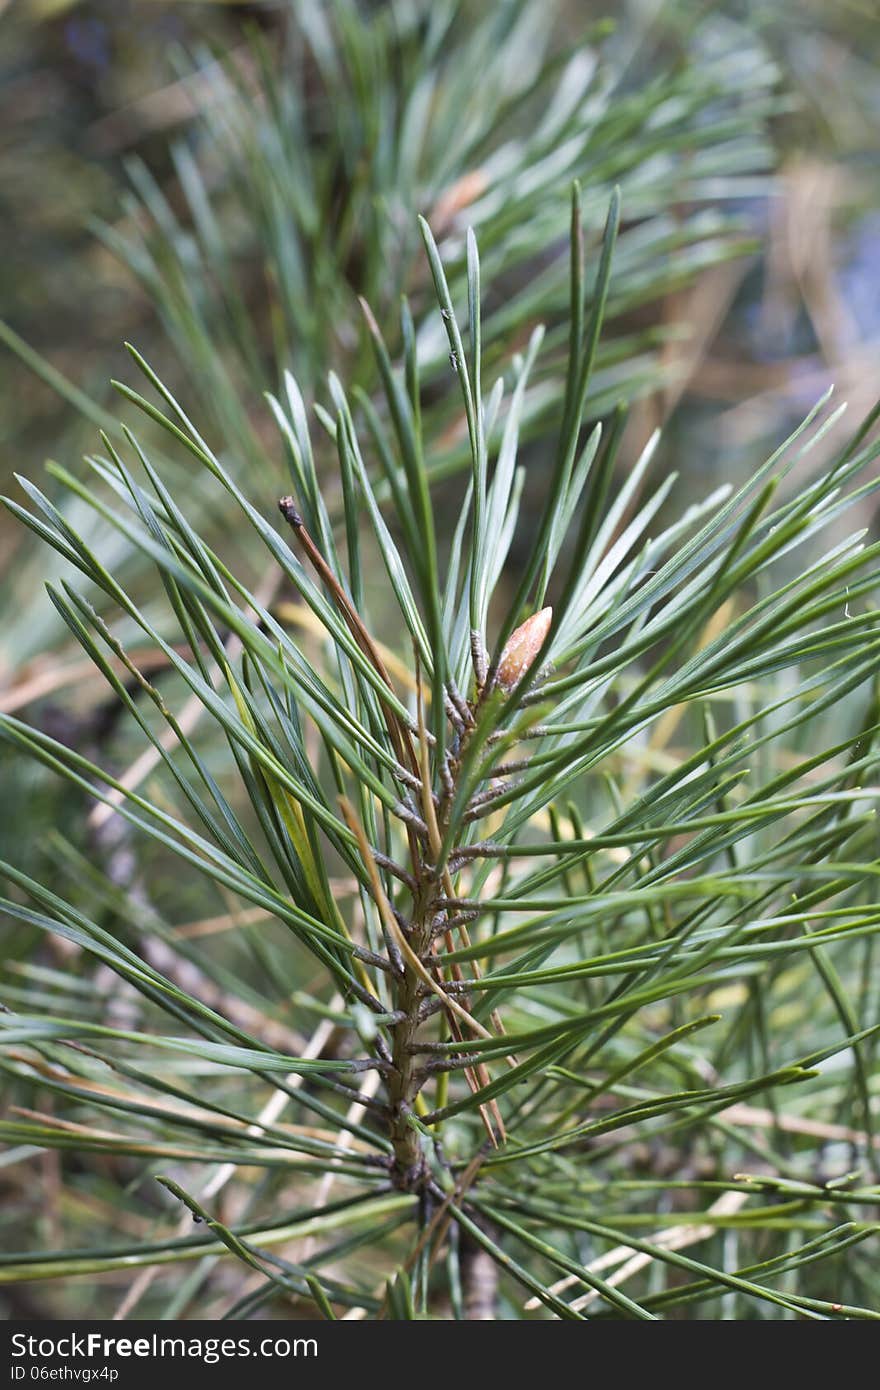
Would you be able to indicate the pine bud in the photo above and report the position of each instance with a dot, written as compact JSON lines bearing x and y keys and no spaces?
{"x":522,"y":648}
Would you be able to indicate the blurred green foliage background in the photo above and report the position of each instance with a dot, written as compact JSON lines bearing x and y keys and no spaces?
{"x":86,"y":88}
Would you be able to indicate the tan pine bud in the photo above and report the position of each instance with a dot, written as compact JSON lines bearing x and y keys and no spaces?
{"x":522,"y":648}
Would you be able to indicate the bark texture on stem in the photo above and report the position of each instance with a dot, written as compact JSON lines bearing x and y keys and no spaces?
{"x":409,"y":1169}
